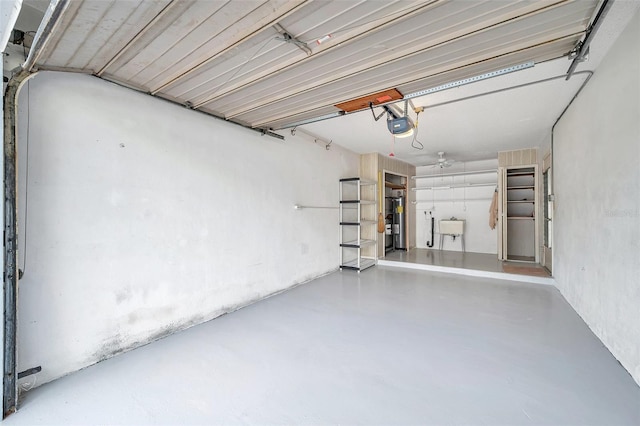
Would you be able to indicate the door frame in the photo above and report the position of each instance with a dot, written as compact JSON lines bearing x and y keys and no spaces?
{"x":547,"y":252}
{"x":502,"y":211}
{"x":385,"y":172}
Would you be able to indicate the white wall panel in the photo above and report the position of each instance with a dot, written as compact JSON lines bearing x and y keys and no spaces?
{"x":596,"y":253}
{"x":145,"y":218}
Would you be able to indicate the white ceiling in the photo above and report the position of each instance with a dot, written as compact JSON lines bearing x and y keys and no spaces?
{"x":469,"y":129}
{"x":228,"y":59}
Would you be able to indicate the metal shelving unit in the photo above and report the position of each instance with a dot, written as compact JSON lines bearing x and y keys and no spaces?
{"x":358,"y":200}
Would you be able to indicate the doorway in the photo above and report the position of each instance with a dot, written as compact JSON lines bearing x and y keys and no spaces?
{"x":395,"y":212}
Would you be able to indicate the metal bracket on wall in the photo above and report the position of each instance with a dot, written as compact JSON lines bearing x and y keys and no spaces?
{"x":288,"y":38}
{"x":581,"y":51}
{"x":29,"y":372}
{"x":266,"y":132}
{"x":316,"y":138}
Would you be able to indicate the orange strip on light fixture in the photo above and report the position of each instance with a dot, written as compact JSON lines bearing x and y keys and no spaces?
{"x":375,"y":98}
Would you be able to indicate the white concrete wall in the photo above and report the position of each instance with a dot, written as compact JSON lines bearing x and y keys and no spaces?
{"x":596,"y":256}
{"x":145,"y":218}
{"x":447,"y":203}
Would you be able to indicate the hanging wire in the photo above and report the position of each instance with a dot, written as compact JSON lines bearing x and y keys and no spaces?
{"x":464,"y":193}
{"x":415,"y":143}
{"x":433,"y":197}
{"x":393,"y":145}
{"x":241,"y":67}
{"x":24,"y":48}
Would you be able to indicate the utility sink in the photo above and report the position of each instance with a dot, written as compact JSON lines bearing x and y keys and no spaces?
{"x":452,"y":227}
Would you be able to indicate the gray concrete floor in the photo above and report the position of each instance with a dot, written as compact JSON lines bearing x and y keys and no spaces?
{"x":468,"y":263}
{"x":387,"y":346}
{"x":453,"y":259}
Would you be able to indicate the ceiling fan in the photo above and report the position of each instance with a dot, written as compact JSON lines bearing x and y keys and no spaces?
{"x":442,"y":161}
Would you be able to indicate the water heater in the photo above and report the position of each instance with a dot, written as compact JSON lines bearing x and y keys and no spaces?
{"x":399,"y":224}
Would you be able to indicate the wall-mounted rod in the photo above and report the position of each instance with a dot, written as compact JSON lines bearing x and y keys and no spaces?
{"x":451,"y":200}
{"x":504,"y":89}
{"x":477,"y":172}
{"x":315,"y":138}
{"x":299,"y":207}
{"x":466,"y":185}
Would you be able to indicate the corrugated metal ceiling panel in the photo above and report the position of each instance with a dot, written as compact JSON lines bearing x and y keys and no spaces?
{"x":228,"y":58}
{"x":229,"y":71}
{"x":266,"y":59}
{"x":443,"y":22}
{"x":484,"y":45}
{"x":370,"y":81}
{"x":201,"y":32}
{"x":544,"y":52}
{"x":92,"y":33}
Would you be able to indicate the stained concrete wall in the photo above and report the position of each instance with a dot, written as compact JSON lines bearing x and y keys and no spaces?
{"x":596,"y":255}
{"x":144,"y":218}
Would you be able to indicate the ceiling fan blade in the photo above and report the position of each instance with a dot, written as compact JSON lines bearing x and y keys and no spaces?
{"x":430,"y":165}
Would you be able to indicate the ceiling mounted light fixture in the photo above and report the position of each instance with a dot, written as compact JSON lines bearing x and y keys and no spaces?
{"x":376,"y":99}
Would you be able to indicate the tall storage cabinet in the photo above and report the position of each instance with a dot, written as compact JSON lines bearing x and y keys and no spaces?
{"x":371,"y":165}
{"x":358,"y":220}
{"x":519,"y":196}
